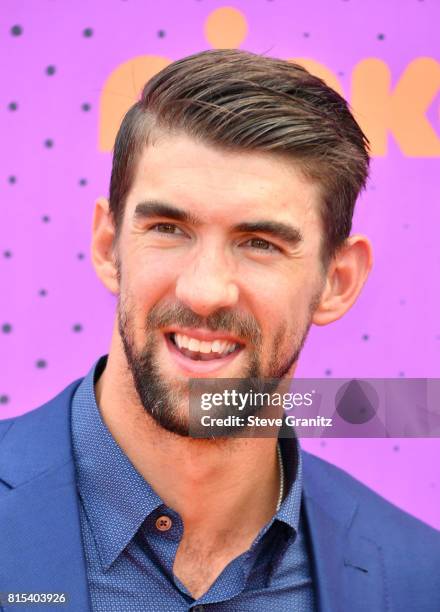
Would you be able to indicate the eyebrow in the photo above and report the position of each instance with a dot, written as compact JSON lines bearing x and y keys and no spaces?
{"x":154,"y":208}
{"x":283,"y":231}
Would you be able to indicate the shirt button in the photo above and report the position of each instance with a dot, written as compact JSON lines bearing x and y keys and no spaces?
{"x":163,"y":523}
{"x":198,"y":609}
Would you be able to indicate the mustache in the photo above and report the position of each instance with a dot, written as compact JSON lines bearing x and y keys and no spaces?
{"x":242,"y":325}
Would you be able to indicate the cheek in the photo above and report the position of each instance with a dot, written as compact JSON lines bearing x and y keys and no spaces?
{"x":276,"y":297}
{"x":283,"y":311}
{"x":147,"y":277}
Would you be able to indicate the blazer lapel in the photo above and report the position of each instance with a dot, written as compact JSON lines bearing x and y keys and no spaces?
{"x":347,"y":566}
{"x":40,"y":529}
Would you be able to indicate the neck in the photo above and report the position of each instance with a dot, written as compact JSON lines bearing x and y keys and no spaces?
{"x":207,"y":482}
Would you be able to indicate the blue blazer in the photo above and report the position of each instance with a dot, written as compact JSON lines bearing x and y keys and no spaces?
{"x":367,"y":555}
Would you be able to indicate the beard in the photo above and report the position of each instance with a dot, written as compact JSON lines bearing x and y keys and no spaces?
{"x":161,"y":400}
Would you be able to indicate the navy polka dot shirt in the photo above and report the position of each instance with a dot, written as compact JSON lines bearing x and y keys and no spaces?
{"x":131,"y":537}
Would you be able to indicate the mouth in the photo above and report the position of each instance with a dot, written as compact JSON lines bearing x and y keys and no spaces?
{"x":201,"y":356}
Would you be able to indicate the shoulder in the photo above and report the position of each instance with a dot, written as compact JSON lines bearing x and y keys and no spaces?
{"x":46,"y":411}
{"x":36,"y":440}
{"x":376,"y":518}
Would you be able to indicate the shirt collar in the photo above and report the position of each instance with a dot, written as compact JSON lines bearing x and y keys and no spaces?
{"x":115,"y":496}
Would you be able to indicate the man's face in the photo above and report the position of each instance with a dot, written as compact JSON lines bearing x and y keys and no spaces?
{"x":219,"y":270}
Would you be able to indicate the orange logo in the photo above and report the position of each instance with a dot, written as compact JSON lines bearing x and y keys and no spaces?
{"x":380,"y":108}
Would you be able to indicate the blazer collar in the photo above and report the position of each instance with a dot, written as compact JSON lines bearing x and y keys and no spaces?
{"x":348,"y":567}
{"x":39,"y":514}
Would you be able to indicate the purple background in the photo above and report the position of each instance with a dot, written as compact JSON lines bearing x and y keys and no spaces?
{"x":56,"y":319}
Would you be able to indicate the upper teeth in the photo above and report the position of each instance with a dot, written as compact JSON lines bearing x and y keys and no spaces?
{"x":218,"y":346}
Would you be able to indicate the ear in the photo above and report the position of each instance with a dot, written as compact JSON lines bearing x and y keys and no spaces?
{"x":103,"y":246}
{"x":346,"y":276}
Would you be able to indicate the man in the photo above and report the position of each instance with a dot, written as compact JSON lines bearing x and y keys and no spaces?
{"x":226,"y":235}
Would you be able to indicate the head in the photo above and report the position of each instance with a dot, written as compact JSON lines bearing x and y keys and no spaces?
{"x":232,"y":193}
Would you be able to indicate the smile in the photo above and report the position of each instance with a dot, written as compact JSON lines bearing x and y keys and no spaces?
{"x":202,"y":350}
{"x":201,"y":356}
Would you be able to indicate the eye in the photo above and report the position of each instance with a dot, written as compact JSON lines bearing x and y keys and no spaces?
{"x":262,"y":245}
{"x":167,"y":228}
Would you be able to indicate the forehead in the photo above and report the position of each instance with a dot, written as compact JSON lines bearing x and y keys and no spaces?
{"x":217,"y":184}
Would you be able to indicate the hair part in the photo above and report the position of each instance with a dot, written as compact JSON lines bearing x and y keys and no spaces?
{"x":238,"y":101}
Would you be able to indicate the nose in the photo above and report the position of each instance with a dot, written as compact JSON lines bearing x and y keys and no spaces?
{"x":206,"y":284}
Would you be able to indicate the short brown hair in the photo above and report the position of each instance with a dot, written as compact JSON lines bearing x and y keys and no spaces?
{"x":239,"y":101}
